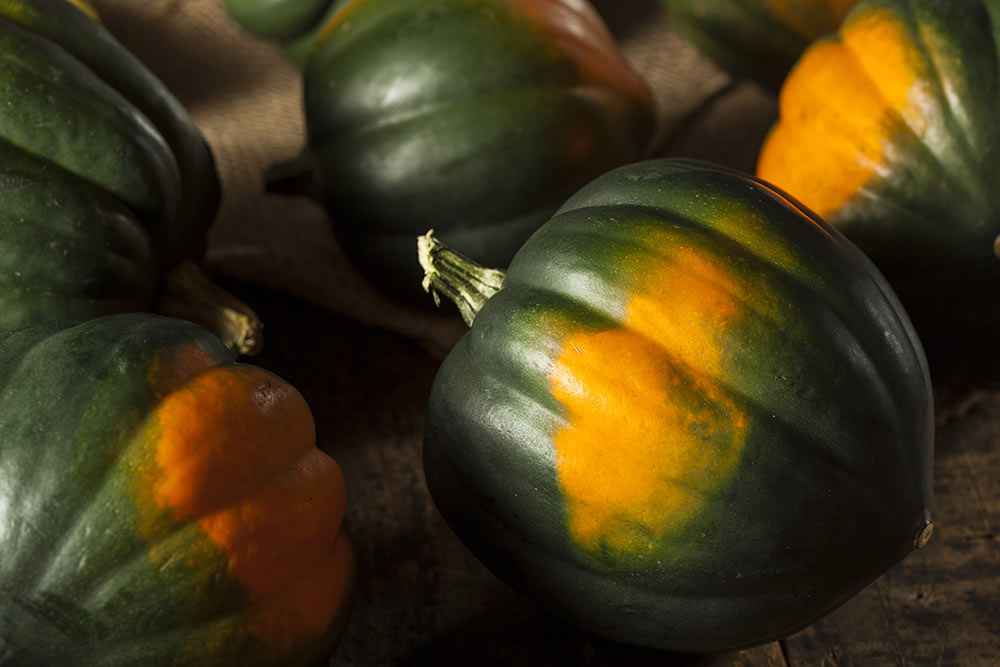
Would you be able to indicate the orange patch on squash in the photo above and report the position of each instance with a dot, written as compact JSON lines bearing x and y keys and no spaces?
{"x":235,"y":452}
{"x":649,"y":433}
{"x":838,"y":105}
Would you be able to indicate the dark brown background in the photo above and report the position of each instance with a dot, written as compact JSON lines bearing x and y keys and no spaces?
{"x":365,"y":365}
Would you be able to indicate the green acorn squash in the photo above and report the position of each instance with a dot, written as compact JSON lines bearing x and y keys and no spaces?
{"x":758,"y":39}
{"x":295,"y":24}
{"x":106,"y":185}
{"x":161,"y":504}
{"x":888,"y":130}
{"x":691,"y":415}
{"x":476,"y":117}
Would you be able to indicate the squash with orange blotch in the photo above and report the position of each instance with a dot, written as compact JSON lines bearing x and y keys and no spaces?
{"x":161,"y":504}
{"x":889,"y":131}
{"x":690,"y":415}
{"x":758,"y":39}
{"x":475,"y":117}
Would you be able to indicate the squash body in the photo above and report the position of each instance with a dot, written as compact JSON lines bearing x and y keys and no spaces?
{"x":120,"y":185}
{"x":694,"y":416}
{"x":474,"y":117}
{"x":169,"y":508}
{"x":888,"y":130}
{"x":277,"y":19}
{"x":294,"y":24}
{"x":758,"y":39}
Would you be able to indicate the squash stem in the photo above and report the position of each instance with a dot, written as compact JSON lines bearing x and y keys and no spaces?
{"x":450,"y":274}
{"x":187,"y":292}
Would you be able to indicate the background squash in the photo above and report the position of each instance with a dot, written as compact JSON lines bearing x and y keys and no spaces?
{"x":295,"y":24}
{"x":758,"y":39}
{"x":108,"y":185}
{"x":476,"y":117}
{"x":888,"y":130}
{"x":161,"y":505}
{"x":693,"y":416}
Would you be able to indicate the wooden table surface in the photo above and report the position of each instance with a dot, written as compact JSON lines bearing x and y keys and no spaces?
{"x":423,"y":600}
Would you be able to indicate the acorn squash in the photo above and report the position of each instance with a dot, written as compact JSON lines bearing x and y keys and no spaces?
{"x":161,"y":504}
{"x":106,"y":185}
{"x":294,"y":24}
{"x":691,"y":415}
{"x":888,"y":130}
{"x":476,"y":117}
{"x":758,"y":39}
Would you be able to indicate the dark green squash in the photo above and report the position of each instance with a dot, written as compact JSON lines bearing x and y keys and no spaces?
{"x":888,"y":129}
{"x":277,"y":19}
{"x":106,"y":185}
{"x":691,"y":415}
{"x":476,"y":117}
{"x":758,"y":39}
{"x":161,"y":504}
{"x":295,"y":24}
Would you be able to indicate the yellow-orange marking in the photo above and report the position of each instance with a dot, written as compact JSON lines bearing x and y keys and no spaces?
{"x":838,"y":105}
{"x":648,"y":431}
{"x":235,"y":452}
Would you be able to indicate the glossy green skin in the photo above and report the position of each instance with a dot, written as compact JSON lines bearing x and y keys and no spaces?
{"x":462,"y":116}
{"x":834,"y":481}
{"x":277,"y":19}
{"x":296,"y":24}
{"x":78,"y":581}
{"x":747,"y":38}
{"x":120,"y":159}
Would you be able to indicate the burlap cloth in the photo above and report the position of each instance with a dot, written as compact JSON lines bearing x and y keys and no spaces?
{"x":245,"y":96}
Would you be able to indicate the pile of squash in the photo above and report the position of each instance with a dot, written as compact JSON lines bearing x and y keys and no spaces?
{"x":690,"y":412}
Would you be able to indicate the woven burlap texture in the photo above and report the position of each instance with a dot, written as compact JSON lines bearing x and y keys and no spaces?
{"x":246,"y":97}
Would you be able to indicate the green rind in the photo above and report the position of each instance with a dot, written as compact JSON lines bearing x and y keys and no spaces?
{"x":67,"y":249}
{"x":455,"y":115}
{"x":64,"y":24}
{"x":300,"y":48}
{"x":281,"y":20}
{"x":102,"y":139}
{"x":833,"y":485}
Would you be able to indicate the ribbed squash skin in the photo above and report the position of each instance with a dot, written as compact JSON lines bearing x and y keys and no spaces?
{"x":694,"y":417}
{"x":104,"y":180}
{"x":889,"y":131}
{"x":160,"y":504}
{"x":759,"y":39}
{"x":474,"y":117}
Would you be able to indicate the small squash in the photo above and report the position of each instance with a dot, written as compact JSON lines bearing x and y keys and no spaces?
{"x":294,"y":24}
{"x":690,"y":415}
{"x":888,"y":130}
{"x":476,"y":117}
{"x":161,"y":504}
{"x":758,"y":39}
{"x":119,"y":188}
